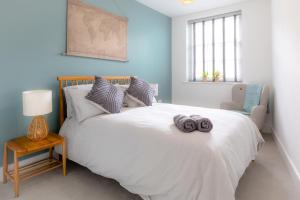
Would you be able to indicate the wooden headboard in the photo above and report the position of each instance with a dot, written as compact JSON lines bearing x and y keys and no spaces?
{"x":65,"y":81}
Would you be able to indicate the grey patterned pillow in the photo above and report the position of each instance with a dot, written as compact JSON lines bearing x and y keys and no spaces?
{"x":106,"y":95}
{"x":140,"y":91}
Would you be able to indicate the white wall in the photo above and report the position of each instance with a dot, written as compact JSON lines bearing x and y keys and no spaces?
{"x":286,"y":80}
{"x":256,"y":51}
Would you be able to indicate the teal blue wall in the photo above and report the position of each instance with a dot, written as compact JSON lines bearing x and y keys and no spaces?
{"x":33,"y":36}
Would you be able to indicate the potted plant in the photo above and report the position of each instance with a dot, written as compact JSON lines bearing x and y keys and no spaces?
{"x":205,"y":76}
{"x":216,"y":76}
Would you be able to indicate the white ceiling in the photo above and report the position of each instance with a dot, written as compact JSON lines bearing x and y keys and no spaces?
{"x":176,"y":8}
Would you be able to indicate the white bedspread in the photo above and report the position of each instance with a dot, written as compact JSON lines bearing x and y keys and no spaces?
{"x":143,"y":150}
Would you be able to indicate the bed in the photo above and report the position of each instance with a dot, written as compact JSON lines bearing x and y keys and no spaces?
{"x":143,"y":150}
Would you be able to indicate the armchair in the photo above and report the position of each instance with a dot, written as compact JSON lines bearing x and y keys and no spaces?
{"x":258,"y":113}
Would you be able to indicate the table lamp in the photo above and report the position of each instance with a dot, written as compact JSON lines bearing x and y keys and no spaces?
{"x":37,"y":103}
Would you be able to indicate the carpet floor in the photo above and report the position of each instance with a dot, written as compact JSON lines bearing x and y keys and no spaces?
{"x":267,"y":178}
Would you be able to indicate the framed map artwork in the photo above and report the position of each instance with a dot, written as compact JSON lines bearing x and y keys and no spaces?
{"x":95,"y":33}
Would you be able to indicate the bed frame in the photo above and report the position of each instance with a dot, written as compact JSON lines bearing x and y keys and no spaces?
{"x":65,"y":81}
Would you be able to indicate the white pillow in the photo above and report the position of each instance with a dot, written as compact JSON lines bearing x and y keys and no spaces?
{"x":68,"y":103}
{"x":130,"y":101}
{"x":68,"y":98}
{"x":82,"y":107}
{"x":154,"y":100}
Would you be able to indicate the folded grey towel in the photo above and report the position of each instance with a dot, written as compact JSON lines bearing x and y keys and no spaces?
{"x":203,"y":124}
{"x":185,"y":123}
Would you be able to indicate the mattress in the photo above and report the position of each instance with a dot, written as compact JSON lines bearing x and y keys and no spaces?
{"x":143,"y":150}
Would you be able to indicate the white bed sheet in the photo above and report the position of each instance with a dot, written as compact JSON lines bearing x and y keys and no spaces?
{"x":143,"y":150}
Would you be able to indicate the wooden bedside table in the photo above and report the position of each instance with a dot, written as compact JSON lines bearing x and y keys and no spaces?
{"x":22,"y":146}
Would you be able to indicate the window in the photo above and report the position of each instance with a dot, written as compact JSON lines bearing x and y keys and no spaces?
{"x":214,"y":48}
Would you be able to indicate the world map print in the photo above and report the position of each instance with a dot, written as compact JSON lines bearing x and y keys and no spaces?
{"x":93,"y":32}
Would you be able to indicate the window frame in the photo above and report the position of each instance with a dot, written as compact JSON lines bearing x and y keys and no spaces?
{"x":191,"y":75}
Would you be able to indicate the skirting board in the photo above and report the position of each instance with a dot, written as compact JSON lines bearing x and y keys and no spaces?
{"x":26,"y":162}
{"x":292,"y":168}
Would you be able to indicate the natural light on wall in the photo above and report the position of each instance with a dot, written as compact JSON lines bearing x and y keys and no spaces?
{"x":214,"y":48}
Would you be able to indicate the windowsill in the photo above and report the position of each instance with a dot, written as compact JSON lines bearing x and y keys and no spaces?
{"x":211,"y":82}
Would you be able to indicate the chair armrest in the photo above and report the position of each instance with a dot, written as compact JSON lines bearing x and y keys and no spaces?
{"x":258,"y":115}
{"x":230,"y":106}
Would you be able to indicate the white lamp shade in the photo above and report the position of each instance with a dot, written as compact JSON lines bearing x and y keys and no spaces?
{"x":37,"y":102}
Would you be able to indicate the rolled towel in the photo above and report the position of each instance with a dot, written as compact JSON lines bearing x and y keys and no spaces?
{"x":203,"y":124}
{"x":185,"y":123}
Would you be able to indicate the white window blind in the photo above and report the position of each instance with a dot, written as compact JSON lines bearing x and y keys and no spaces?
{"x":214,"y":48}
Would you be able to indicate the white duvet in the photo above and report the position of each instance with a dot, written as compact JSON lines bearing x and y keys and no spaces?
{"x":143,"y":150}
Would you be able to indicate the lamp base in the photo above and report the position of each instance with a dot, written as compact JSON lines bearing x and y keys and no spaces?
{"x":38,"y":129}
